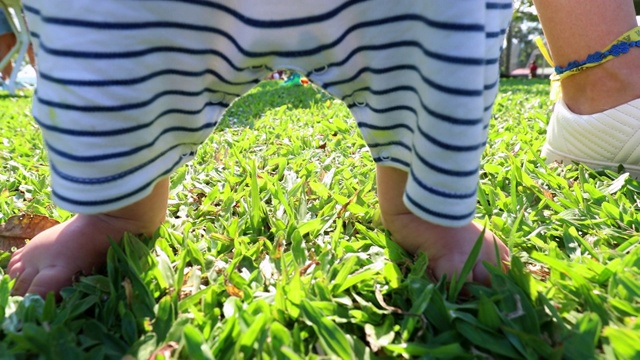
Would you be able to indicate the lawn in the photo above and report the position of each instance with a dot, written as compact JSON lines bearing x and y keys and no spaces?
{"x":273,"y":249}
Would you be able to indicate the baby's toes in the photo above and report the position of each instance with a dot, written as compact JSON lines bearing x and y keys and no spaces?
{"x":51,"y":279}
{"x":24,"y":277}
{"x":449,"y":266}
{"x":480,"y":272}
{"x":15,"y":268}
{"x":481,"y":275}
{"x":15,"y":259}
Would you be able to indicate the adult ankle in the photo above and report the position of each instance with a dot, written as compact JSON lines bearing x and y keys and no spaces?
{"x":603,"y":87}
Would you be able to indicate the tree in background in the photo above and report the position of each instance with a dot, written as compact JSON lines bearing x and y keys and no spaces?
{"x":524,"y":27}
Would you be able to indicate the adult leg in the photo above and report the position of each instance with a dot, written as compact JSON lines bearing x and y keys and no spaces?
{"x":31,"y":55}
{"x":577,"y":28}
{"x":7,"y":41}
{"x":596,"y":121}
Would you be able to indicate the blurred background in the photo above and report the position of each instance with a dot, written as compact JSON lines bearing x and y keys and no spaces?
{"x":520,"y":49}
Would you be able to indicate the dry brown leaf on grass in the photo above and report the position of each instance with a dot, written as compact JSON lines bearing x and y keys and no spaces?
{"x":165,"y":351}
{"x":19,"y":228}
{"x":233,"y":290}
{"x":344,"y":207}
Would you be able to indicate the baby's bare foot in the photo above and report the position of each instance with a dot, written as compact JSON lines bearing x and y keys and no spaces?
{"x":51,"y":259}
{"x":448,"y":248}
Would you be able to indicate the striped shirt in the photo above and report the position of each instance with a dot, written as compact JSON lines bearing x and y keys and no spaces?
{"x":128,"y":89}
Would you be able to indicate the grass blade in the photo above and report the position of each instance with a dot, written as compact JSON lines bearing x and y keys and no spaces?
{"x":458,"y":282}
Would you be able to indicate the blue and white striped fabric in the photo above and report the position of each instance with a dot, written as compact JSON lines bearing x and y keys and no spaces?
{"x":128,"y":89}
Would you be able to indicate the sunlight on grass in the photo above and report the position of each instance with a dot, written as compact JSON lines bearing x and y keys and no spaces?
{"x":273,"y":249}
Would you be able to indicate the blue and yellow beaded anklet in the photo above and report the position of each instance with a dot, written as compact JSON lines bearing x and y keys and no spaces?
{"x":620,"y":46}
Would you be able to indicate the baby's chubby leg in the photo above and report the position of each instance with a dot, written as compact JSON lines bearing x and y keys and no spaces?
{"x":51,"y":259}
{"x":446,"y":247}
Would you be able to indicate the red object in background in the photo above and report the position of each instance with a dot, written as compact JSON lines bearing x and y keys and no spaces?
{"x":533,"y":70}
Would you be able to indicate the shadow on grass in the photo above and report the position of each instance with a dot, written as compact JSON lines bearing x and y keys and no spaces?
{"x":270,"y":95}
{"x":20,"y":94}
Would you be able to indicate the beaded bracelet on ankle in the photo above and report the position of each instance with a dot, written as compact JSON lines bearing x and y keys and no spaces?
{"x":620,"y":46}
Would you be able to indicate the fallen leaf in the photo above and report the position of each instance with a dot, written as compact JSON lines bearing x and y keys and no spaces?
{"x":19,"y":228}
{"x":540,"y":271}
{"x":128,"y":290}
{"x":516,"y":149}
{"x":165,"y":351}
{"x":344,"y":207}
{"x":233,"y":290}
{"x":547,"y":194}
{"x":279,"y":248}
{"x":380,"y":298}
{"x":304,"y":269}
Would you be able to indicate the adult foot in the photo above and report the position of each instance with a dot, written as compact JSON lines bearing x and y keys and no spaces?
{"x":603,"y":140}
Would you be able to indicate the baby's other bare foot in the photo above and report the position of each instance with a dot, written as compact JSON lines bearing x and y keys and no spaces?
{"x":51,"y":259}
{"x":448,"y":248}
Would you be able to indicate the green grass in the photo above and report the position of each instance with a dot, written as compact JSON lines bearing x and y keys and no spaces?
{"x":273,"y":249}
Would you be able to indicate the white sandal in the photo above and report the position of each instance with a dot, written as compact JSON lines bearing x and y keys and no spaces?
{"x":600,"y":141}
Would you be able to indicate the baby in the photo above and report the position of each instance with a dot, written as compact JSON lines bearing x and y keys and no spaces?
{"x":128,"y":90}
